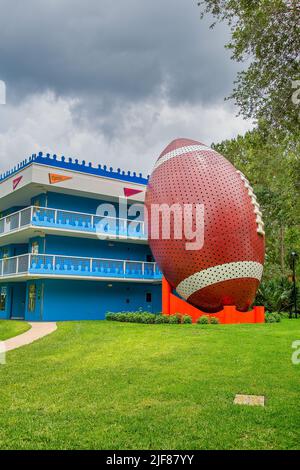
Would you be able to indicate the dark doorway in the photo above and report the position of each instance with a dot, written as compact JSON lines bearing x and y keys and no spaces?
{"x":18,"y":301}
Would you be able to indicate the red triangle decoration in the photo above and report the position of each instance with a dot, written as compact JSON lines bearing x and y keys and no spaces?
{"x":16,"y":182}
{"x":131,"y":192}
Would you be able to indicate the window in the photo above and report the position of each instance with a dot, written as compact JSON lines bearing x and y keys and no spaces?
{"x":32,"y":298}
{"x":36,"y":209}
{"x":3,"y":295}
{"x":148,"y":297}
{"x":35,"y":248}
{"x":150,"y":259}
{"x":5,"y":255}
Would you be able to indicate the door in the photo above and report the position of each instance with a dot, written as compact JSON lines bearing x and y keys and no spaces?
{"x":18,"y":301}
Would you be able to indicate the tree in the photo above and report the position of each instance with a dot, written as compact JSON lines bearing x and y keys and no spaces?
{"x":266,"y":33}
{"x":270,"y":161}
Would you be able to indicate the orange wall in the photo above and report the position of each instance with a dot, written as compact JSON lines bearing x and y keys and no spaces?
{"x":229,"y":315}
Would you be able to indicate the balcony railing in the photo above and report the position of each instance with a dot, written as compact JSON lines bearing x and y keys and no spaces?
{"x":69,"y":220}
{"x":57,"y":265}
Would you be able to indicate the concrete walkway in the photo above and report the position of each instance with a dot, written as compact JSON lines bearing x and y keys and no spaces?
{"x":38,"y":330}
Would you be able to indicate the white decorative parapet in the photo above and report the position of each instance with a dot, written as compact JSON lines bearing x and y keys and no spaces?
{"x":74,"y":221}
{"x":59,"y":265}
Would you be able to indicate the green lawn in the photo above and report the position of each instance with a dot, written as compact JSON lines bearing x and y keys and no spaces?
{"x":10,"y":328}
{"x":108,"y":385}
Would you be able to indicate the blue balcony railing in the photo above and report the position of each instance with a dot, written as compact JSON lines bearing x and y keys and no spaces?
{"x":73,"y":221}
{"x":57,"y":265}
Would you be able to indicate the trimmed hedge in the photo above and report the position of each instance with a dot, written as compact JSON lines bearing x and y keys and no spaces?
{"x":178,"y":318}
{"x":158,"y":319}
{"x":272,"y":318}
{"x":143,"y":317}
{"x":132,"y":317}
{"x":203,"y":320}
{"x":174,"y":319}
{"x":186,"y":319}
{"x":206,"y":320}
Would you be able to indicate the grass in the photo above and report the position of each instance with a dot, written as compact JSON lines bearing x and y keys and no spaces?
{"x":108,"y":385}
{"x":10,"y":328}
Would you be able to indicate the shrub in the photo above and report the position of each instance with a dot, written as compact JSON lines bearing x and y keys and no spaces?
{"x":186,"y":319}
{"x":273,"y":318}
{"x":159,"y":319}
{"x":123,"y":317}
{"x":270,"y":318}
{"x":179,"y":316}
{"x":111,"y":316}
{"x":214,"y":321}
{"x":284,"y":314}
{"x":277,"y":317}
{"x":204,"y":320}
{"x":148,"y":318}
{"x":174,"y":319}
{"x":276,"y":295}
{"x":131,"y":317}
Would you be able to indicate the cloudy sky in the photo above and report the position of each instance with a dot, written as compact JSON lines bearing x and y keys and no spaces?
{"x":111,"y":81}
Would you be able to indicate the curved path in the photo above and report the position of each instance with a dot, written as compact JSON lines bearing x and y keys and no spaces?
{"x":38,"y":330}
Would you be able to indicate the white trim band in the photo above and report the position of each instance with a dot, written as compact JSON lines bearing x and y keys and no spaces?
{"x":220,"y":273}
{"x":181,"y":151}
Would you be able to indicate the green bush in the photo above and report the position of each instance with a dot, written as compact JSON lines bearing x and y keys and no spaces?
{"x":284,"y":314}
{"x":273,"y":317}
{"x":186,"y":319}
{"x":148,"y":318}
{"x":174,"y":319}
{"x":204,"y":320}
{"x":166,"y":318}
{"x":277,"y":317}
{"x":159,"y":319}
{"x":276,"y":295}
{"x":214,"y":321}
{"x":151,"y":318}
{"x":109,"y":316}
{"x":270,"y":318}
{"x":131,"y":317}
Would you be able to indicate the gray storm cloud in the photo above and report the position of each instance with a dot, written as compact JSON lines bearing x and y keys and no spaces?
{"x":116,"y":80}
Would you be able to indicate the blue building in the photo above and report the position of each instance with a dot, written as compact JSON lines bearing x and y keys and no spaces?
{"x":73,"y":242}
